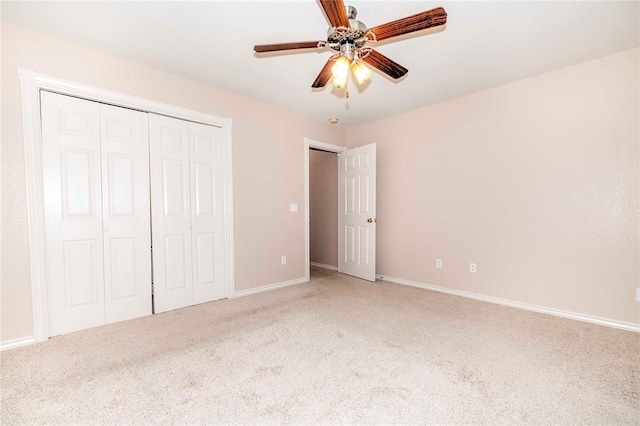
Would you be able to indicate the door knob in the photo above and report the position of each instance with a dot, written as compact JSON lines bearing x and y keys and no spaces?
{"x":371,"y":220}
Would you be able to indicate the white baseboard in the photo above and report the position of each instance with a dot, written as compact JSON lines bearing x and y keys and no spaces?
{"x":269,"y":287}
{"x":527,"y":307}
{"x":322,"y":265}
{"x":16,"y":343}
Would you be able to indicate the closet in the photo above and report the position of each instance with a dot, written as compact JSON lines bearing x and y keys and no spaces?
{"x":125,"y":190}
{"x":188,"y":224}
{"x":96,"y":210}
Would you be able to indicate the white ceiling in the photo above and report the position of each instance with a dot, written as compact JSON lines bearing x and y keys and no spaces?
{"x":484,"y":44}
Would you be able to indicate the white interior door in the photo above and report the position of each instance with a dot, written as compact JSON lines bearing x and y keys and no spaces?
{"x":357,"y":212}
{"x":72,"y":212}
{"x":96,"y":209}
{"x":129,"y":197}
{"x":207,"y":217}
{"x":170,"y":213}
{"x":187,"y":213}
{"x":125,"y":213}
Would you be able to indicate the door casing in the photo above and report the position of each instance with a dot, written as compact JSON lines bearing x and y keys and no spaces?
{"x":31,"y":84}
{"x":310,"y":143}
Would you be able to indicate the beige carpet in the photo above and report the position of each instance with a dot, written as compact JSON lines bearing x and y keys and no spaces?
{"x":337,"y":350}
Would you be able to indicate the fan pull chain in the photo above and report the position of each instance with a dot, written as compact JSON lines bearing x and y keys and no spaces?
{"x":347,"y":93}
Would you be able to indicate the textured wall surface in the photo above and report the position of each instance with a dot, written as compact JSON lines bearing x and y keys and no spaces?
{"x":536,"y":181}
{"x":323,"y":207}
{"x":268,"y":167}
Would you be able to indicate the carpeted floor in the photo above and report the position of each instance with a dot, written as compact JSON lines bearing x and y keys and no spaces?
{"x":336,"y":350}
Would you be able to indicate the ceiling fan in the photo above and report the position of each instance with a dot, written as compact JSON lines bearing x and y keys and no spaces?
{"x":352,"y":39}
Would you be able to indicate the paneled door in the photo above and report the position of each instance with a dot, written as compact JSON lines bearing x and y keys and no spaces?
{"x":207,"y":223}
{"x":96,"y":212}
{"x":357,"y":212}
{"x":125,"y":213}
{"x":187,"y":213}
{"x":73,"y":212}
{"x":170,"y":213}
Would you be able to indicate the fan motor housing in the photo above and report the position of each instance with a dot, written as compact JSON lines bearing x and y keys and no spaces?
{"x":355,"y":34}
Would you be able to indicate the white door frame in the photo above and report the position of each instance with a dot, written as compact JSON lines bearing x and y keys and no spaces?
{"x":310,"y":143}
{"x":31,"y":84}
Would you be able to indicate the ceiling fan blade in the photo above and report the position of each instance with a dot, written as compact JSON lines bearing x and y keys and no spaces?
{"x":417,"y":22}
{"x":325,"y":75}
{"x":384,"y":64}
{"x":336,"y":12}
{"x":262,"y":48}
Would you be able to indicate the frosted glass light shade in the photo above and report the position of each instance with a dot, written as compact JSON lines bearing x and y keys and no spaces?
{"x":360,"y":71}
{"x":340,"y":71}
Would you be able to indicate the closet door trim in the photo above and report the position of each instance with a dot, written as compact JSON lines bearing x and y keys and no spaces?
{"x":32,"y":84}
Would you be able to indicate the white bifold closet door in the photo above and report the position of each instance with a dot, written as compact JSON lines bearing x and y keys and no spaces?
{"x":187,"y":213}
{"x":96,"y":202}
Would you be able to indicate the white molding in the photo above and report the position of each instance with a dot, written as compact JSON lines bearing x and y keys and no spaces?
{"x":270,"y":287}
{"x":35,"y":219}
{"x":16,"y":343}
{"x":310,"y":143}
{"x":227,"y":171}
{"x":322,"y":265}
{"x":519,"y":305}
{"x":65,"y":87}
{"x":31,"y":84}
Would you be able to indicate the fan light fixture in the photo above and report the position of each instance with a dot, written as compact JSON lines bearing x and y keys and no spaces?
{"x":352,"y":41}
{"x":349,"y":60}
{"x":360,"y":71}
{"x":340,"y":71}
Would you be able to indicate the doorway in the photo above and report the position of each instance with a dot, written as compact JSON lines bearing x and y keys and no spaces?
{"x":356,"y":212}
{"x":325,"y":246}
{"x":323,"y":209}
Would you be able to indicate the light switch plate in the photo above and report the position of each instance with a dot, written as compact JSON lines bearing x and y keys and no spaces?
{"x":293,"y":207}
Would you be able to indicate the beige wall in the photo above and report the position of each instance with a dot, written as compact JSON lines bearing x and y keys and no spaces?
{"x":323,"y":207}
{"x":268,"y":169}
{"x":535,"y":181}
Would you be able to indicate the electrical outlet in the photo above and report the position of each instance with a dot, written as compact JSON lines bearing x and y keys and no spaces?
{"x":472,"y":268}
{"x":283,"y":260}
{"x":439,"y":263}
